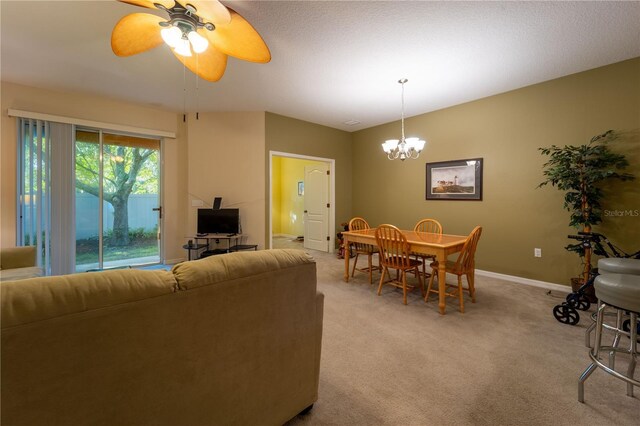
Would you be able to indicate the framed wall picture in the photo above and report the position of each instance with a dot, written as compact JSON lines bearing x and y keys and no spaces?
{"x":301,"y":188}
{"x":455,"y":180}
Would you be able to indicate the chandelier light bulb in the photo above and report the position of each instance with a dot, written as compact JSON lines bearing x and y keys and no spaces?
{"x":411,"y":143}
{"x":198,"y":43}
{"x":171,"y":35}
{"x":390,"y":145}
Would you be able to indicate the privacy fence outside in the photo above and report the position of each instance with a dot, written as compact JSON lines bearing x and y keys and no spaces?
{"x":141,"y":215}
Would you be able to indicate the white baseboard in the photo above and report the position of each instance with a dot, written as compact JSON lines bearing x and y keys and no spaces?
{"x":525,"y":281}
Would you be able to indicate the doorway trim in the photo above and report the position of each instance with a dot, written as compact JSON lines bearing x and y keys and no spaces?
{"x":332,"y":192}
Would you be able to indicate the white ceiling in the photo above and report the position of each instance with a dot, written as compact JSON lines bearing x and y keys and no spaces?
{"x":332,"y":61}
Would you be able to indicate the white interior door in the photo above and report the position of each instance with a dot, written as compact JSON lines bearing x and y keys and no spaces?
{"x":316,"y":207}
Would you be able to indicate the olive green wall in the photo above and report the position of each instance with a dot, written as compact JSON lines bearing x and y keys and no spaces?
{"x":506,"y":130}
{"x":294,"y":136}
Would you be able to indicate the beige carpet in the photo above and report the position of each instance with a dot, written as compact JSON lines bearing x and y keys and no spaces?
{"x":505,"y":361}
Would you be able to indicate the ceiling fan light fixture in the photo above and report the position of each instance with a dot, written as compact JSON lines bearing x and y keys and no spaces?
{"x":188,"y":31}
{"x":171,"y":35}
{"x":183,"y":48}
{"x":198,"y":43}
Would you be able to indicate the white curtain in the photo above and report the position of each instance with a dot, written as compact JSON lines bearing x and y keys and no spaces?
{"x":46,"y":199}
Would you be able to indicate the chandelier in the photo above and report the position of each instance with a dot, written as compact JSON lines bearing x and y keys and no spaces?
{"x":405,"y":147}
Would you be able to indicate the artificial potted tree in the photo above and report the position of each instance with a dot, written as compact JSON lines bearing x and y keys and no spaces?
{"x":580,"y":171}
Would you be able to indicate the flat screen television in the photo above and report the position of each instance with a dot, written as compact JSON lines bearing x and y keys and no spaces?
{"x":222,"y":221}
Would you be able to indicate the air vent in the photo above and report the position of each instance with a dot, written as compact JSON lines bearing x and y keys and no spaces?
{"x":351,"y":122}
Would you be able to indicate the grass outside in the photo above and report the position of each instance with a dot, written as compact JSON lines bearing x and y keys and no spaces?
{"x":87,"y":250}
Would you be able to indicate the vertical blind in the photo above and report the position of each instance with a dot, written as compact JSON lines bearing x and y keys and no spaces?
{"x":34,"y":196}
{"x":45,"y":211}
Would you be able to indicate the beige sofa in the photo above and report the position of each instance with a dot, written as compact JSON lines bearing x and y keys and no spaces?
{"x":226,"y":340}
{"x":18,"y":263}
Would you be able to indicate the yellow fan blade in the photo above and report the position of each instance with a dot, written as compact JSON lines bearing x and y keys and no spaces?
{"x":209,"y":10}
{"x":136,"y":33}
{"x":209,"y":65}
{"x":149,"y":4}
{"x":239,"y":39}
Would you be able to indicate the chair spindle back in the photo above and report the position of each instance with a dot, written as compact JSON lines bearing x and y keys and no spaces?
{"x":466,"y":259}
{"x":393,"y":247}
{"x":428,"y":225}
{"x":358,"y":224}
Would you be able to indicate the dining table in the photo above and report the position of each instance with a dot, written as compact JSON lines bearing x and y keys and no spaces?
{"x":439,"y":245}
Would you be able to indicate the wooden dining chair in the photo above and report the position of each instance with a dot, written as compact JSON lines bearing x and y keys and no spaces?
{"x":464,"y":265}
{"x":357,"y":224}
{"x":431,"y":226}
{"x":395,"y":254}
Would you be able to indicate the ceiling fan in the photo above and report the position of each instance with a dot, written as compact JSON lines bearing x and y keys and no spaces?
{"x":201,"y":33}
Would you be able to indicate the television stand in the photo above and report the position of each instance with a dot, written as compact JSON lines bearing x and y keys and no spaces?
{"x":195,"y":248}
{"x":233,"y":244}
{"x":208,"y":237}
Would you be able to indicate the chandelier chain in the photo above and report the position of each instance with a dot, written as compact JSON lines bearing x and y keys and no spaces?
{"x":403,"y":81}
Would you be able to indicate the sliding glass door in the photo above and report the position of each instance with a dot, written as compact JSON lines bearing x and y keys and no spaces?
{"x":117,"y":186}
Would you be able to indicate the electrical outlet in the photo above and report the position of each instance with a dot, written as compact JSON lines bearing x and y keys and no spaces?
{"x":537,"y":252}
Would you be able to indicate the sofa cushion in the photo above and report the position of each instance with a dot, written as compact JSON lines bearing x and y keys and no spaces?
{"x":42,"y":298}
{"x":20,"y":273}
{"x":216,"y":269}
{"x":17,"y":257}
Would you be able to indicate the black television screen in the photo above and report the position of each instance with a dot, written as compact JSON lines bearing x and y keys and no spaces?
{"x":223,"y":221}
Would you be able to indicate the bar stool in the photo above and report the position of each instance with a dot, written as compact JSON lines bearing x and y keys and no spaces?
{"x":622,"y":293}
{"x":612,"y":266}
{"x":617,"y":265}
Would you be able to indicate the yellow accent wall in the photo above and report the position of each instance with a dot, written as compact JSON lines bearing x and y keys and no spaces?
{"x":276,"y":195}
{"x":287,"y":214}
{"x":507,"y":130}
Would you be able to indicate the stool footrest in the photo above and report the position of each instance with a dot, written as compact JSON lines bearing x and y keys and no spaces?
{"x":613,"y":349}
{"x":610,"y":370}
